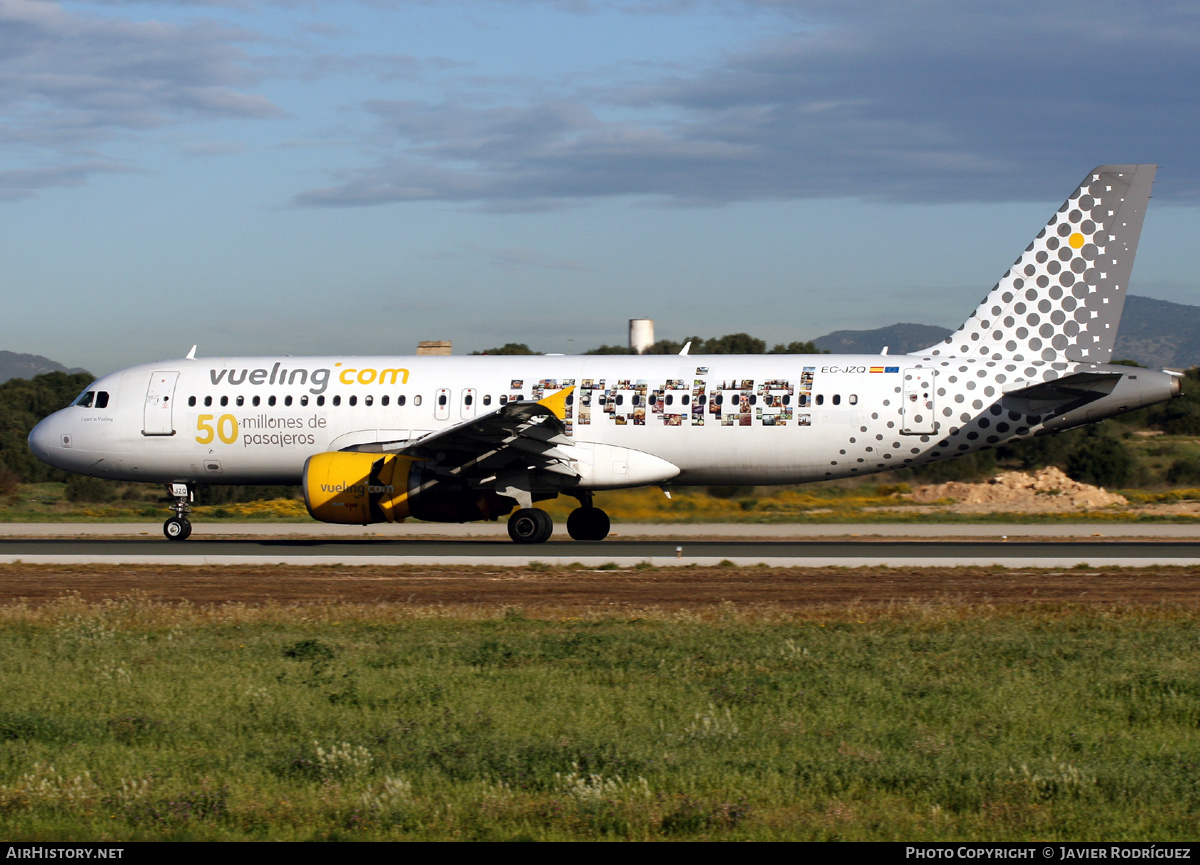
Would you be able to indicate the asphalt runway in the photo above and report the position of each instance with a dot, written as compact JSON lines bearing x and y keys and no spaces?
{"x":625,"y":552}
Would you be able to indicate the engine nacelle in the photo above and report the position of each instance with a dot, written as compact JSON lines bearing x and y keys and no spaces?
{"x":363,"y":488}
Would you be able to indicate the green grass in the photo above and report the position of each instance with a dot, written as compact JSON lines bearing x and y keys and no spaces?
{"x":819,"y":504}
{"x":135,"y":720}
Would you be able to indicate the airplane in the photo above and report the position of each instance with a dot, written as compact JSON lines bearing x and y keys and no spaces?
{"x":456,"y":439}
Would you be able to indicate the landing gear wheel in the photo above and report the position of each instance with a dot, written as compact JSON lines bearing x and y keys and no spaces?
{"x":530,"y":526}
{"x":177,"y":529}
{"x":588,"y":524}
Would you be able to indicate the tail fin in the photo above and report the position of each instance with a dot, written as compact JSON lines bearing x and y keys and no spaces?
{"x":1062,"y":299}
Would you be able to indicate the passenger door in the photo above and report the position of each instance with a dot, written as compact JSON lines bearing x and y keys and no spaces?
{"x":160,"y":396}
{"x":917,"y":410}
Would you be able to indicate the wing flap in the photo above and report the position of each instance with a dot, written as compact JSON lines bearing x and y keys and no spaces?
{"x":526,"y":436}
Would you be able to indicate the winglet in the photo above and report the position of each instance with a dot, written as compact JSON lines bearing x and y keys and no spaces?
{"x":557,"y":402}
{"x":686,"y":348}
{"x":191,"y":355}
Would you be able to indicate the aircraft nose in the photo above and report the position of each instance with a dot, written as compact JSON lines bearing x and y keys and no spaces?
{"x":46,"y":439}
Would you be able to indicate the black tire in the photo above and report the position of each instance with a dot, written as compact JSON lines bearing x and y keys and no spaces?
{"x":177,"y":529}
{"x":530,"y":526}
{"x":588,"y":524}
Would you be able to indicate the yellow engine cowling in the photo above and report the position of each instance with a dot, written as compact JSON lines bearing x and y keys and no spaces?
{"x":362,"y":488}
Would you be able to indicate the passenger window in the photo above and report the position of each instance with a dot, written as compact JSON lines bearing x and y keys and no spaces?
{"x":224,"y":400}
{"x":271,"y":399}
{"x":441,"y":399}
{"x":487,"y":399}
{"x":417,"y":399}
{"x":787,"y":399}
{"x":837,"y":399}
{"x":820,"y":399}
{"x":685,"y":399}
{"x":191,"y":400}
{"x":337,"y":400}
{"x":256,"y":400}
{"x":385,"y":399}
{"x":353,"y":400}
{"x":287,"y":400}
{"x":853,"y":399}
{"x":720,"y":399}
{"x":241,"y":400}
{"x":670,"y":400}
{"x":468,"y":399}
{"x":101,"y":399}
{"x":620,"y":399}
{"x":504,"y":399}
{"x":368,"y":400}
{"x":304,"y":399}
{"x":400,"y":400}
{"x":208,"y":400}
{"x":320,"y":400}
{"x":571,"y":398}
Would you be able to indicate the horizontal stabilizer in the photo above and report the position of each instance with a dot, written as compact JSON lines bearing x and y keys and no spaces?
{"x":1071,"y":387}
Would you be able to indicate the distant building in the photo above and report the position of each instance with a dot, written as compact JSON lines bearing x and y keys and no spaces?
{"x":641,"y":335}
{"x":442,"y":347}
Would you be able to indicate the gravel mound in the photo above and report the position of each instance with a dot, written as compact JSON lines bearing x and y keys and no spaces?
{"x":1047,"y":490}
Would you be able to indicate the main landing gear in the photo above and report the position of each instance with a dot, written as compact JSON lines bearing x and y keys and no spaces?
{"x":588,"y":523}
{"x":534,"y":526}
{"x":178,"y":527}
{"x":530,"y":526}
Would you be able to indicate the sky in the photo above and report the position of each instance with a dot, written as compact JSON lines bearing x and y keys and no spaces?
{"x":302,"y":177}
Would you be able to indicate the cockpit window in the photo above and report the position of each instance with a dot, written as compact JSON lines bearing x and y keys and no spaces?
{"x":92,"y":399}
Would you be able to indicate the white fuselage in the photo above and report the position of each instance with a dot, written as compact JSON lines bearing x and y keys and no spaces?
{"x":717,"y":419}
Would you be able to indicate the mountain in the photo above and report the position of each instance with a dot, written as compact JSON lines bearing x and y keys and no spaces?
{"x":899,"y":339}
{"x":1155,"y":333}
{"x":1158,"y":333}
{"x":13,"y":365}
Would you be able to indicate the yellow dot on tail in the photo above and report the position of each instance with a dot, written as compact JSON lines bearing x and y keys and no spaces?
{"x":1076,"y":240}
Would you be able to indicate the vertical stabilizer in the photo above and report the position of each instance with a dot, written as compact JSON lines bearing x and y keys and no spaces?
{"x":1062,"y":299}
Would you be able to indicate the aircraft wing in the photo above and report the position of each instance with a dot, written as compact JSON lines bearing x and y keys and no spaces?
{"x":523,"y":436}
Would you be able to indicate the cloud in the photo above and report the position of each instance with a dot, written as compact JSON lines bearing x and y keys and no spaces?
{"x":19,"y":184}
{"x":69,"y":80}
{"x":932,"y":101}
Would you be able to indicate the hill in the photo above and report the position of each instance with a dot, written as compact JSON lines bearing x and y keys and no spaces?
{"x":1155,"y":333}
{"x":13,"y":365}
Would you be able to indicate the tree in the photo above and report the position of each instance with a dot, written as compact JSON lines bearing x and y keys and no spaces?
{"x":509,"y":348}
{"x":797,"y":347}
{"x":1100,"y":458}
{"x":24,"y":402}
{"x":733,"y":343}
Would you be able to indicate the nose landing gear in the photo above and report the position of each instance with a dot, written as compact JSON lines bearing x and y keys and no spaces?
{"x":178,"y":527}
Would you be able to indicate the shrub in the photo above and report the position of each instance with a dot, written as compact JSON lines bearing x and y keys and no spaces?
{"x":81,"y":489}
{"x":1184,"y":470}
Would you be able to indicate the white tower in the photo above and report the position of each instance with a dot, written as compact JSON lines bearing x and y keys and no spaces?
{"x":641,"y":334}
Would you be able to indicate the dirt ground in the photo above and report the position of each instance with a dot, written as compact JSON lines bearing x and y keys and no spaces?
{"x":581,"y":589}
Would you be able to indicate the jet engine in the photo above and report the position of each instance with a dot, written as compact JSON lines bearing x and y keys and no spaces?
{"x":363,"y":488}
